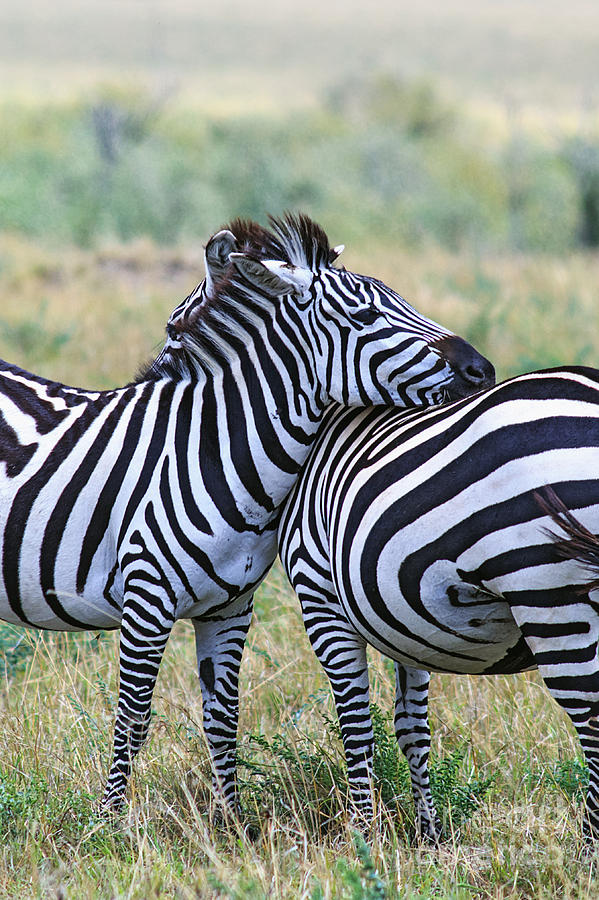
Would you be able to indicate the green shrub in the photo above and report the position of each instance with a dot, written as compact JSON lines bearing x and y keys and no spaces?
{"x":380,"y":157}
{"x":543,"y":199}
{"x":294,"y":775}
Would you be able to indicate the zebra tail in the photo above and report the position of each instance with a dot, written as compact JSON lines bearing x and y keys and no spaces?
{"x":579,"y":544}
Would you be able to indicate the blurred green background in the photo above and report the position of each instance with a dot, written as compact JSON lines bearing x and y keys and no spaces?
{"x":469,"y":124}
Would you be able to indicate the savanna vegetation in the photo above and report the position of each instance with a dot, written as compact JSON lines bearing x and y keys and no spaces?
{"x":464,"y":171}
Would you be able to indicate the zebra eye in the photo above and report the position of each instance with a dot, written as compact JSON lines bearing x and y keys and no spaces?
{"x":366,"y":315}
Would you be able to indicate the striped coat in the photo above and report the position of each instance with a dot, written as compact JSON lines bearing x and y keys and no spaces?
{"x":158,"y":501}
{"x":458,"y":539}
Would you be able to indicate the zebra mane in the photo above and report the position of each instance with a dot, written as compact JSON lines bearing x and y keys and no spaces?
{"x":302,"y":241}
{"x":293,"y":239}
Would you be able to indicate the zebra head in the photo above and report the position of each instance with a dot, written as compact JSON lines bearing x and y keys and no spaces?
{"x":370,"y":346}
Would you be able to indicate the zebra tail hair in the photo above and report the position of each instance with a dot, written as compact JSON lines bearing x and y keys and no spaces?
{"x":579,"y":544}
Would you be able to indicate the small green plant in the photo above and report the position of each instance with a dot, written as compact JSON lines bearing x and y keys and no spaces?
{"x":361,"y":882}
{"x":568,"y":775}
{"x":294,"y":775}
{"x":69,"y":814}
{"x":456,"y":799}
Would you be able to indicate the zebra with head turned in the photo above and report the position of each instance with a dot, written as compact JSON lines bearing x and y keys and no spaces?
{"x":139,"y":506}
{"x":431,"y":536}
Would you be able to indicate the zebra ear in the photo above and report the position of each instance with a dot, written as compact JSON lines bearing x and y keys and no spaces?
{"x":216,"y":257}
{"x":272,"y":276}
{"x":335,"y":252}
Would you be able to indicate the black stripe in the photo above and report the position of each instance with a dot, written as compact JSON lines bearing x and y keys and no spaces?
{"x":25,"y":498}
{"x":100,"y":517}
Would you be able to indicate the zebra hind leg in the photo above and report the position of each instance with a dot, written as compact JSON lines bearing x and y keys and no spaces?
{"x":142,"y":646}
{"x":342,"y":654}
{"x":414,"y":739}
{"x":219,"y":646}
{"x":563,"y":634}
{"x":564,"y":641}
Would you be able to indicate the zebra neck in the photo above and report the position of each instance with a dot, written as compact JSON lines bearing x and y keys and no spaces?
{"x":251,"y":436}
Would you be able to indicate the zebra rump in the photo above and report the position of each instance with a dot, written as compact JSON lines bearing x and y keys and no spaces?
{"x":460,"y":539}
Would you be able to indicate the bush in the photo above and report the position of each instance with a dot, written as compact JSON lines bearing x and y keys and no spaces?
{"x":543,"y":200}
{"x":380,"y":157}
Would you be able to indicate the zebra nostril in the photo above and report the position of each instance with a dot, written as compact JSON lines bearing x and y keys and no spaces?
{"x":474,"y":375}
{"x":473,"y":372}
{"x":171,"y":332}
{"x":478,"y":372}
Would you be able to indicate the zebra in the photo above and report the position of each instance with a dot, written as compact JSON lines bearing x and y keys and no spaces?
{"x":135,"y":507}
{"x":431,"y":535}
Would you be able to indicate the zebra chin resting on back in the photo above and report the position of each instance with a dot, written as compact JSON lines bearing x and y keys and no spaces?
{"x":158,"y":501}
{"x":445,"y":539}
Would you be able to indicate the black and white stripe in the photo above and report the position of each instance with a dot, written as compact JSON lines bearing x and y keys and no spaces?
{"x":431,"y":536}
{"x":158,"y":501}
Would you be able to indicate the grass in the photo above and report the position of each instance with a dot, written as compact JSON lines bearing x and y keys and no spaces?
{"x":506,"y":771}
{"x":507,"y":768}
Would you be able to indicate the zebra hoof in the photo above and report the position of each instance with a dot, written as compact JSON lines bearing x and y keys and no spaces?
{"x":112,"y":808}
{"x":430,"y":834}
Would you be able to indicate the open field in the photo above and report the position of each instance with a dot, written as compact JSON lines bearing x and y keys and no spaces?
{"x":454,"y":148}
{"x":531,"y":58}
{"x":507,"y":761}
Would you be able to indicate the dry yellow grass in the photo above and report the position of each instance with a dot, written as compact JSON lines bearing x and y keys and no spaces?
{"x":56,"y":708}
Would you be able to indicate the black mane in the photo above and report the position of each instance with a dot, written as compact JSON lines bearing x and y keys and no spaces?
{"x":294,"y":239}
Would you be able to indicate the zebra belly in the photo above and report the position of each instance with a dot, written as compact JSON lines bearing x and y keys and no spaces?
{"x":240,"y":563}
{"x":71,"y":613}
{"x":63,"y":608}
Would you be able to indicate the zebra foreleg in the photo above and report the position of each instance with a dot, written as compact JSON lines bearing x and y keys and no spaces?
{"x":342,"y":654}
{"x":219,"y":646}
{"x":142,"y":645}
{"x":414,"y":740}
